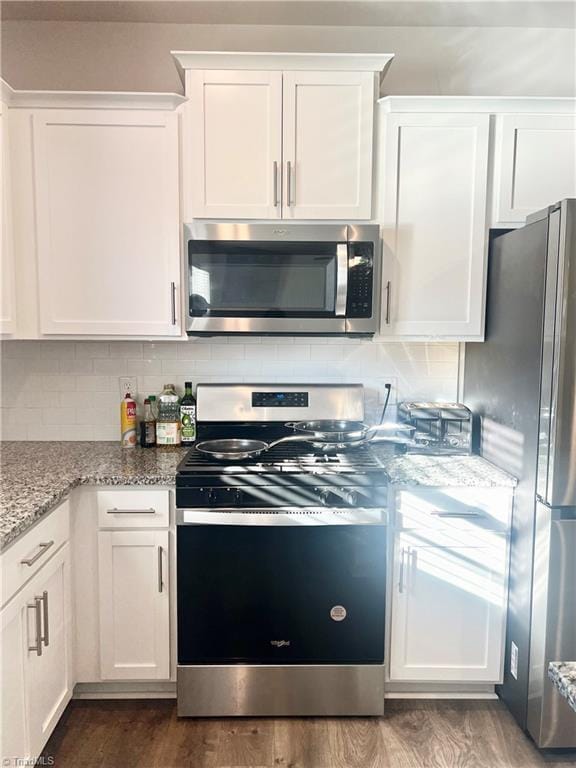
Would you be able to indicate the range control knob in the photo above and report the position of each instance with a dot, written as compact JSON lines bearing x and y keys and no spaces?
{"x":236,"y":495}
{"x":351,"y":498}
{"x":323,"y":495}
{"x":211,"y":495}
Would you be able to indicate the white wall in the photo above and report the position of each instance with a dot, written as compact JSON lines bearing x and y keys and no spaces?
{"x":494,"y":61}
{"x":65,"y":390}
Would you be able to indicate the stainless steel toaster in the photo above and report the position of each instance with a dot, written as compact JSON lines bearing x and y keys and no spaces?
{"x":440,"y":427}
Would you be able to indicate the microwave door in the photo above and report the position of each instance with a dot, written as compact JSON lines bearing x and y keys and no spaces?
{"x":243,"y":286}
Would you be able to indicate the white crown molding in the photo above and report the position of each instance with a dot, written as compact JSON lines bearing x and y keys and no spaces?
{"x":490,"y":104}
{"x":88,"y":99}
{"x":344,"y":62}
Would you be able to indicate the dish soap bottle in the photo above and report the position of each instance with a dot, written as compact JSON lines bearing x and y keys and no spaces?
{"x":128,"y":421}
{"x":188,"y":415}
{"x":168,"y":424}
{"x":148,"y":426}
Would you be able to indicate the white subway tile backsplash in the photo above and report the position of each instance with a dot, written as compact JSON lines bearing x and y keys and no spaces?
{"x":143,"y":367}
{"x":111,"y":366}
{"x":92,"y":349}
{"x":66,"y":390}
{"x":227,"y":351}
{"x":158,"y":350}
{"x":126,"y":349}
{"x":193,"y":351}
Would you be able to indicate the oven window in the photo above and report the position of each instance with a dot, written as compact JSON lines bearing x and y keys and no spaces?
{"x":262,"y":279}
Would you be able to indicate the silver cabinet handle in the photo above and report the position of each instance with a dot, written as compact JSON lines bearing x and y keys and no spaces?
{"x":388,"y":290}
{"x":289,"y":183}
{"x":456,"y":515}
{"x":401,"y":571}
{"x":160,"y":579}
{"x":116,"y":511}
{"x":44,"y":547}
{"x":173,"y":301}
{"x":46,"y":635}
{"x":275,"y":183}
{"x":37,"y":608}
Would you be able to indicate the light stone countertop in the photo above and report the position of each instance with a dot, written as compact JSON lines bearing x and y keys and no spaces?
{"x":36,"y":476}
{"x":563,"y":675}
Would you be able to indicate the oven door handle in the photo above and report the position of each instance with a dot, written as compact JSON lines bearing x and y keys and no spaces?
{"x":341,"y":279}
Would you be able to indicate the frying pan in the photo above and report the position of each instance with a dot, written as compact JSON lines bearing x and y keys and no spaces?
{"x":233,"y":449}
{"x":343,"y":432}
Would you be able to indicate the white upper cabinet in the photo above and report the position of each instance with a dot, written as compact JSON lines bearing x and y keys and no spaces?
{"x":433,"y":171}
{"x":7,"y":305}
{"x":327,"y":140}
{"x":235,"y":144}
{"x":291,"y":138}
{"x":535,"y":164}
{"x":108,"y":234}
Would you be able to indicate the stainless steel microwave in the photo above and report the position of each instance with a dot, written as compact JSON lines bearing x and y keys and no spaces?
{"x":271,"y":279}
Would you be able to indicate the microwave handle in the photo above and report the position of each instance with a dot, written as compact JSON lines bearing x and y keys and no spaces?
{"x":341,"y":279}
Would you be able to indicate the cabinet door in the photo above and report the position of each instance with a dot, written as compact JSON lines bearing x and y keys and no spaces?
{"x":134,"y":605}
{"x":535,"y":164}
{"x":448,"y":606}
{"x":108,"y":222}
{"x":14,"y":741}
{"x":327,"y":148}
{"x":48,"y":676}
{"x":235,"y":144}
{"x":7,"y":304}
{"x":434,"y":179}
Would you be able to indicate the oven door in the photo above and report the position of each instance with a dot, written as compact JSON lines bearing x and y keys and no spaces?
{"x":281,"y":594}
{"x":260,"y":281}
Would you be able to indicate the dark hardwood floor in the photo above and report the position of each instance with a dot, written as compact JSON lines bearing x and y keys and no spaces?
{"x":412,"y":734}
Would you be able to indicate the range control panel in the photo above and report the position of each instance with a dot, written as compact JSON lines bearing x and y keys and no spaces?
{"x":360,"y":280}
{"x":279,"y":399}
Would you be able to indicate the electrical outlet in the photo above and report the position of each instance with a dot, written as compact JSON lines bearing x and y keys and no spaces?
{"x":514,"y":660}
{"x":128,"y":384}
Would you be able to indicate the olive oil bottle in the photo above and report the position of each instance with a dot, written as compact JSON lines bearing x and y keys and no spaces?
{"x":188,"y":415}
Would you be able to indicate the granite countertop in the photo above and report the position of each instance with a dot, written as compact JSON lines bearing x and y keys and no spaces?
{"x":36,"y":476}
{"x":563,"y":675}
{"x":442,"y":471}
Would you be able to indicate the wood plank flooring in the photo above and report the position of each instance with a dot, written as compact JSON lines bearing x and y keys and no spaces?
{"x":412,"y":734}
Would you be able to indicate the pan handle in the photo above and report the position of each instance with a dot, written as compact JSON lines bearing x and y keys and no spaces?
{"x":290,"y":439}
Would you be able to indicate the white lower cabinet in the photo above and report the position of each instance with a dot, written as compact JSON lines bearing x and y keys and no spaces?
{"x":133,"y":567}
{"x":448,"y":605}
{"x":36,"y":659}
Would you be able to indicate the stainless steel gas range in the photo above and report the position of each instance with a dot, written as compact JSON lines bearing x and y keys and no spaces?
{"x":281,"y":562}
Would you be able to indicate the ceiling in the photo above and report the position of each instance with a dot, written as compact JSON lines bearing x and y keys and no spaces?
{"x":369,"y":13}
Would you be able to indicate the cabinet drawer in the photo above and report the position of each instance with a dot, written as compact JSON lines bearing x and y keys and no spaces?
{"x":146,"y":508}
{"x":27,"y":555}
{"x":487,"y":508}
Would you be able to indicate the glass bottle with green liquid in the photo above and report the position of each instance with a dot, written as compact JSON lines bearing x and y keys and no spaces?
{"x":188,"y":415}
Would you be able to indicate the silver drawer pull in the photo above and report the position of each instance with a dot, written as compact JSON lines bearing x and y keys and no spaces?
{"x":37,"y":608}
{"x":401,"y":572}
{"x":160,"y":575}
{"x":46,"y":636}
{"x":44,"y":547}
{"x":116,"y":511}
{"x":456,"y":514}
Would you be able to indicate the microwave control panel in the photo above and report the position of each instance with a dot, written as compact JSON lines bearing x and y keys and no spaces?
{"x":360,"y":280}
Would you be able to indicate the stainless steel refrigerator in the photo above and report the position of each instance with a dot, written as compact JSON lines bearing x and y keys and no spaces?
{"x":521,"y":385}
